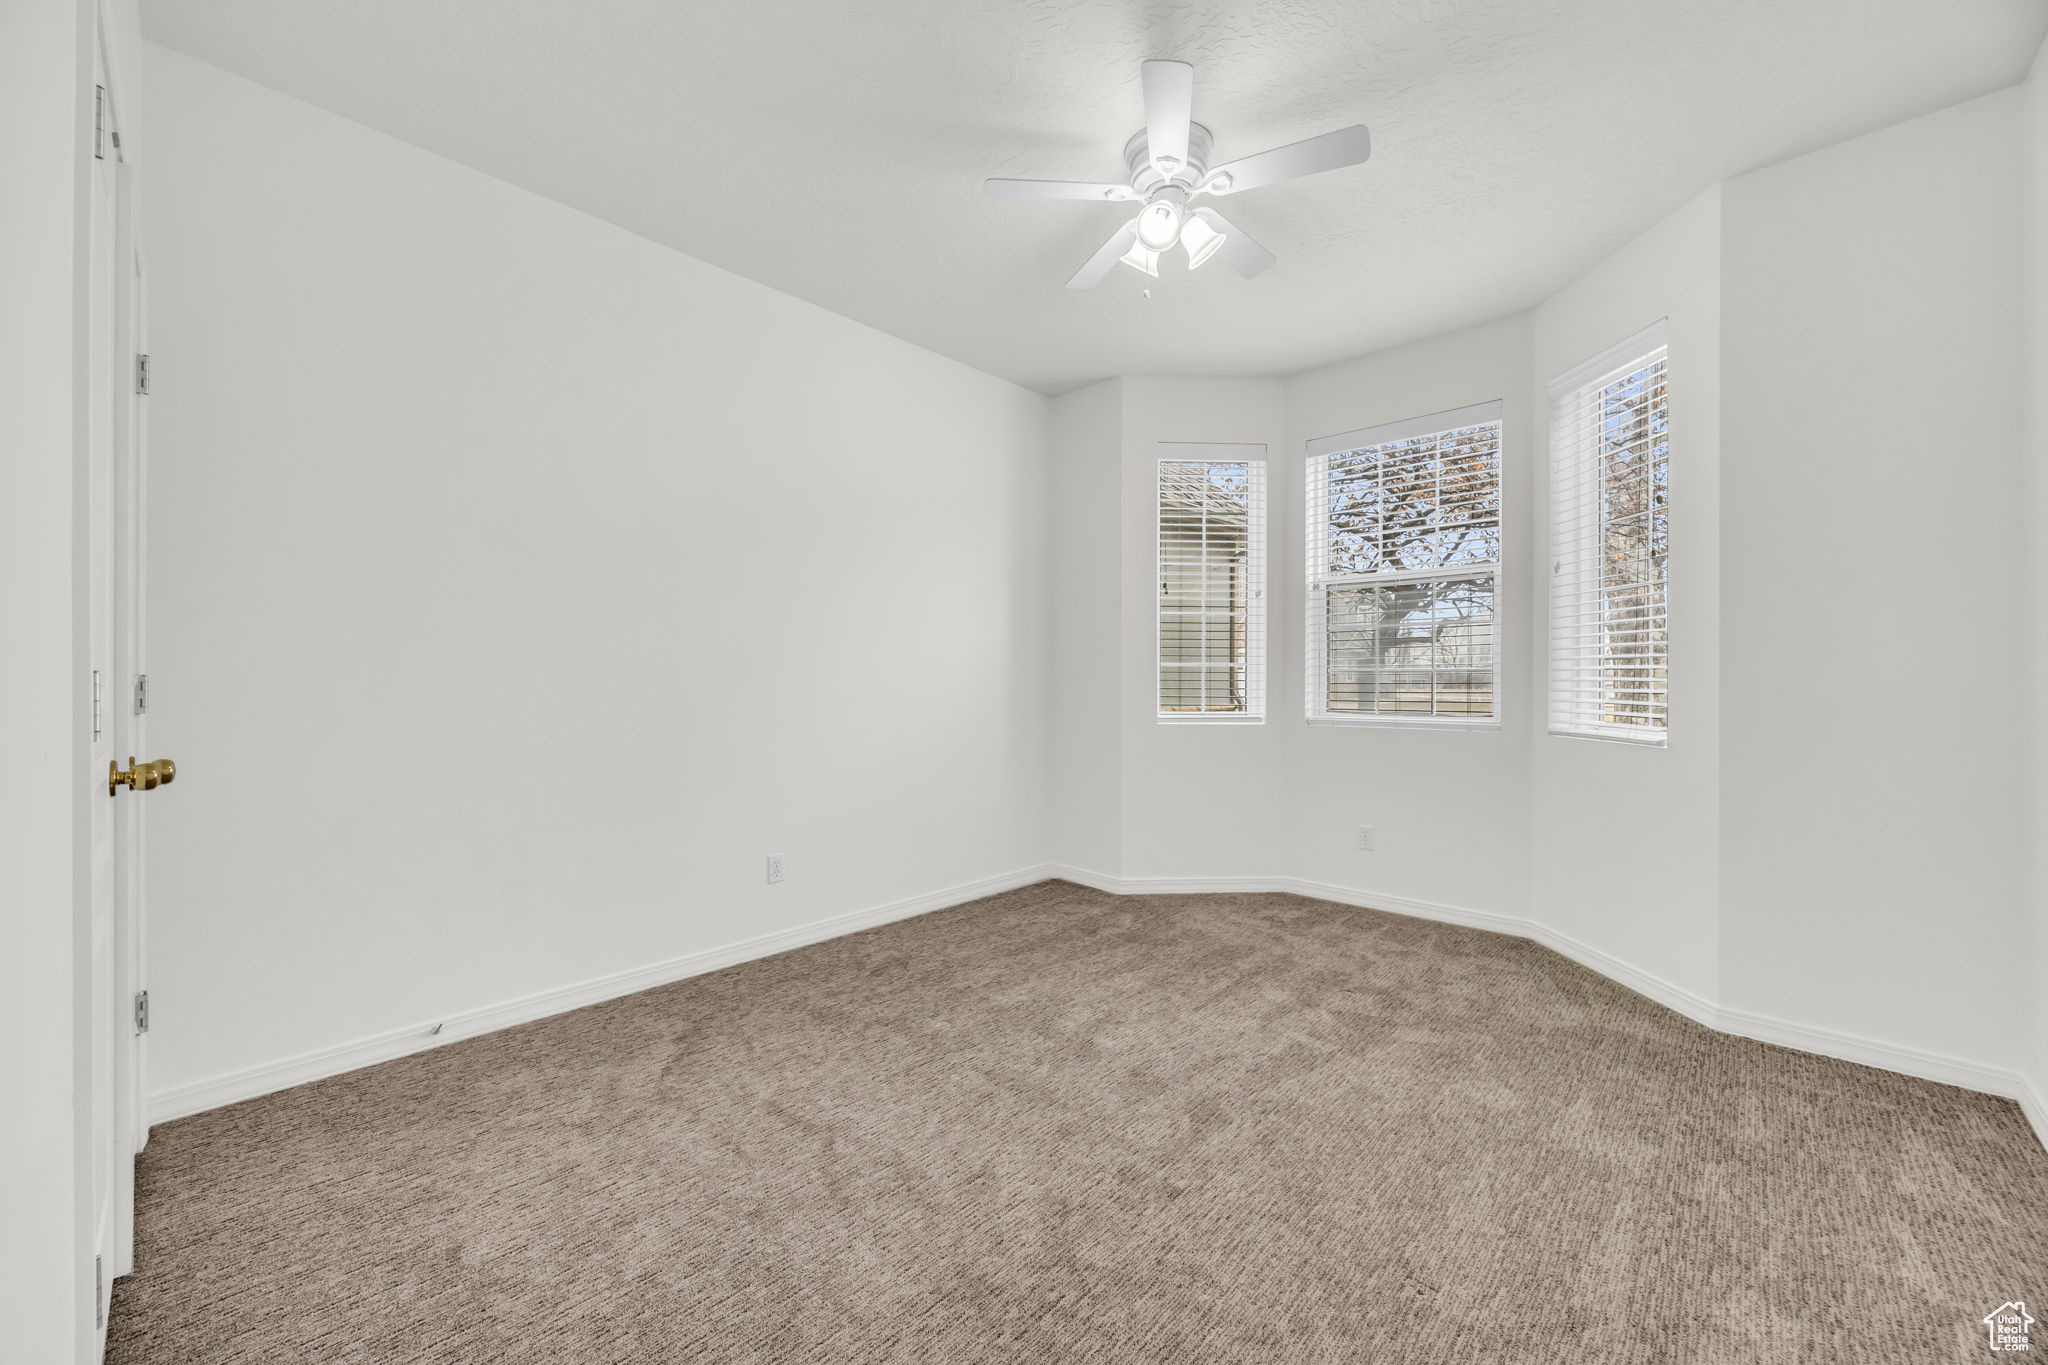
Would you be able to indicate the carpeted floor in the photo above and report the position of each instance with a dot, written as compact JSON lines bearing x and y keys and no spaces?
{"x":1058,"y":1125}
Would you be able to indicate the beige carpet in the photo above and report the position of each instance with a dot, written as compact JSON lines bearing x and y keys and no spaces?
{"x":1058,"y":1125}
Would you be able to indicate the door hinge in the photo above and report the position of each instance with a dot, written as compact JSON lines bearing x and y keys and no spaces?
{"x":99,"y":1292}
{"x":95,"y":706}
{"x":99,"y":123}
{"x":141,"y":693}
{"x":142,"y":1011}
{"x":142,"y":374}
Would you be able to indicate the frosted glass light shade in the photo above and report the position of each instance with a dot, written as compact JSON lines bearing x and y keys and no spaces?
{"x":1159,"y":225}
{"x":1201,"y":240}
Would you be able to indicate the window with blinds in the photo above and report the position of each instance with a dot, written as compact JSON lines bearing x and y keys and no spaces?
{"x":1403,"y":569}
{"x":1610,"y":462}
{"x":1212,"y":582}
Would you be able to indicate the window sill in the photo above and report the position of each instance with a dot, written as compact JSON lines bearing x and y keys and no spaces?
{"x":1221,"y":719}
{"x":1660,"y":739}
{"x":1408,"y":722}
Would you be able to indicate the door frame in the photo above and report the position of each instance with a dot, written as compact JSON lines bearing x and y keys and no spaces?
{"x":129,"y":531}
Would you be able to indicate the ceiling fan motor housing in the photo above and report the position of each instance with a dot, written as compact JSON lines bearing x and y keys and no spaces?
{"x":1145,"y":177}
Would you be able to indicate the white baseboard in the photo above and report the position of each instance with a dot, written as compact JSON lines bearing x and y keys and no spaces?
{"x":1851,"y":1047}
{"x":1160,"y":886}
{"x":332,"y":1061}
{"x":1344,"y":895}
{"x":1848,"y":1047}
{"x":1669,"y":994}
{"x":1489,"y":920}
{"x":1642,"y":982}
{"x":2034,"y":1104}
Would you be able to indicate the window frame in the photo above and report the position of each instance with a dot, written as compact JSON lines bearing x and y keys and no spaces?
{"x":1317,"y":580}
{"x":1258,"y":587}
{"x":1566,"y":392}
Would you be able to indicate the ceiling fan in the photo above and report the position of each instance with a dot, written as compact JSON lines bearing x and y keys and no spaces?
{"x":1169,"y":169}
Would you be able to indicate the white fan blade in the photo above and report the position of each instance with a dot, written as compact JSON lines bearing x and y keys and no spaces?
{"x":1169,"y":108}
{"x":1238,"y":251}
{"x":1345,"y":147}
{"x":1100,"y":264}
{"x":1055,"y":189}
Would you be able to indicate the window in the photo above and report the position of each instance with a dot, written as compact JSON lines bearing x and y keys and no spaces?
{"x":1403,"y":563}
{"x":1212,"y":582}
{"x":1610,"y":462}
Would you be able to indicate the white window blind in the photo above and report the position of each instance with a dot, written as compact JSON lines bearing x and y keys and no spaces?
{"x":1212,"y":582}
{"x":1610,"y":461}
{"x":1403,"y":570}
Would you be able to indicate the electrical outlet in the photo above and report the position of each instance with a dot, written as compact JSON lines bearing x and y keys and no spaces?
{"x":1365,"y":838}
{"x":775,"y":867}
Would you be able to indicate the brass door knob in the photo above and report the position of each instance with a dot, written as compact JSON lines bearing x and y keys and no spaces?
{"x":141,"y":777}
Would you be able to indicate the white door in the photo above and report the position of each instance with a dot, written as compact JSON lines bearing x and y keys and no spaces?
{"x":114,"y":491}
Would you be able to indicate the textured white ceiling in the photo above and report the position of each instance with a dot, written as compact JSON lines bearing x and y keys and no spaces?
{"x":835,"y":149}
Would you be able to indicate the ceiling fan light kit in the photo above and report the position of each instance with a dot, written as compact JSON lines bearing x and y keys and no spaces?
{"x":1141,"y":258}
{"x":1200,"y":238}
{"x":1159,"y":224}
{"x":1168,"y":168}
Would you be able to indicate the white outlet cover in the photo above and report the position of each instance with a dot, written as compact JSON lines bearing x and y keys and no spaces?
{"x":775,"y":867}
{"x":1365,"y":838}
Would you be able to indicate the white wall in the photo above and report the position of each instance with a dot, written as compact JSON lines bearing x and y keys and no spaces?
{"x":1625,"y":838}
{"x":1821,"y":864}
{"x":1872,"y":653}
{"x":1449,"y":809}
{"x":520,"y":584}
{"x":2034,"y":508}
{"x":1178,"y":778}
{"x":1136,"y":799}
{"x":552,"y":470}
{"x":1085,"y":823}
